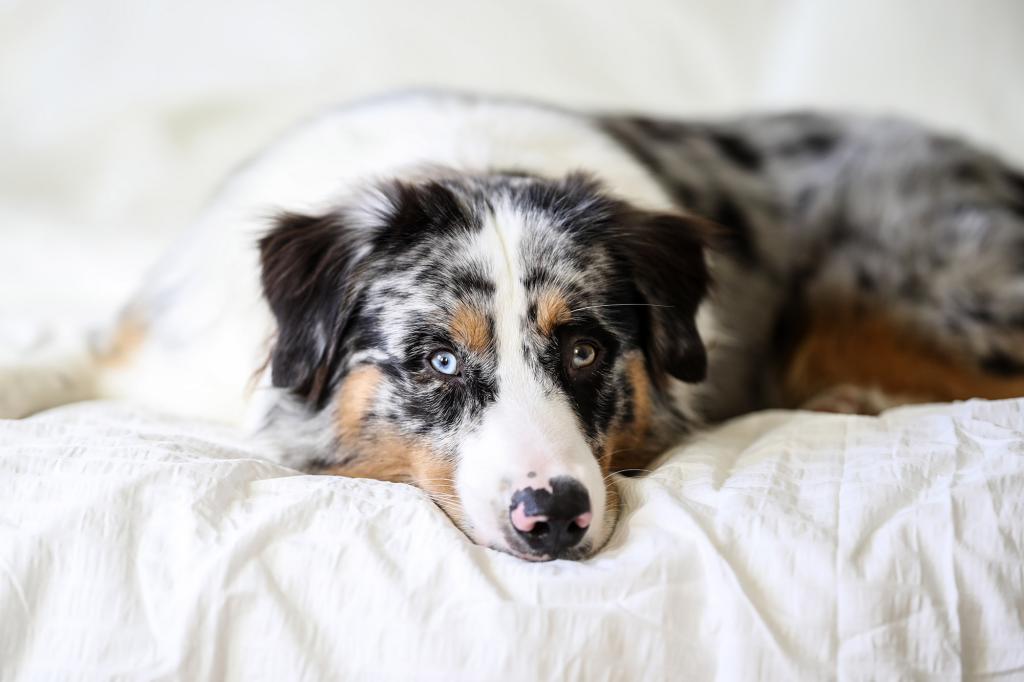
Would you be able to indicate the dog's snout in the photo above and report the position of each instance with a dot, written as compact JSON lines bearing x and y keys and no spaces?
{"x":551,"y":519}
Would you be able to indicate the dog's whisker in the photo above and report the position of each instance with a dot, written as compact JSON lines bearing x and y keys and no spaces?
{"x":631,"y":471}
{"x":620,"y":305}
{"x":448,"y":500}
{"x":440,"y":495}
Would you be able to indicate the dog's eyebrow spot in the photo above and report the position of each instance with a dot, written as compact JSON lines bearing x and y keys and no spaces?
{"x":552,"y":310}
{"x":470,"y":328}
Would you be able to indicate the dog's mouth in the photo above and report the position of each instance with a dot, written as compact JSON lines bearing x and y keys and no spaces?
{"x":577,"y":553}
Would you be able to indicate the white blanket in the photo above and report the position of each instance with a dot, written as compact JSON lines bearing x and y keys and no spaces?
{"x":782,"y":546}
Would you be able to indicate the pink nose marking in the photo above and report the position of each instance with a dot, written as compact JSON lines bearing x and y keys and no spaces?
{"x":583,"y":520}
{"x":523,"y":522}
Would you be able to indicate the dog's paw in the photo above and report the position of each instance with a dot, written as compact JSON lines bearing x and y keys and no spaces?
{"x":40,"y":367}
{"x":852,"y":399}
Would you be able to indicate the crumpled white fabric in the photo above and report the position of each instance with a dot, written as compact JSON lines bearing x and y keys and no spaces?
{"x":783,"y":545}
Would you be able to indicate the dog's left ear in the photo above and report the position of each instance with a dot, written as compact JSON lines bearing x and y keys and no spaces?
{"x":666,"y":255}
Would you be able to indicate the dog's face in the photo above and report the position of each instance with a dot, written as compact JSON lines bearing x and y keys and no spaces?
{"x":504,"y":342}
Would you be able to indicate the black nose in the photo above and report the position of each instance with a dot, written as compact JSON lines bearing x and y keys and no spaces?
{"x":551,"y":521}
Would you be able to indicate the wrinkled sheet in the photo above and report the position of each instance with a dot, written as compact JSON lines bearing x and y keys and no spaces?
{"x":783,"y":545}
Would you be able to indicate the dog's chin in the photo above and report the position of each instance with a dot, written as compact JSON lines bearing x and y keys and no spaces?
{"x":576,"y":554}
{"x":520,"y":555}
{"x":509,"y":546}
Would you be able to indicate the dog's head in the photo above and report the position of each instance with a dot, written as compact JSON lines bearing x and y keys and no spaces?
{"x":505,"y":342}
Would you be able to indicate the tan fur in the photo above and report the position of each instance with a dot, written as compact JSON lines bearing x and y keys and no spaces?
{"x":381,"y":458}
{"x":628,"y":445}
{"x":128,"y":337}
{"x":384,"y":455}
{"x":436,"y":475}
{"x":354,"y":399}
{"x":469,"y":328}
{"x":612,"y":504}
{"x":552,"y":311}
{"x":845,"y":346}
{"x":387,"y":456}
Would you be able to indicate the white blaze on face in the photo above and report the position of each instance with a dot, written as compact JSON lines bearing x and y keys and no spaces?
{"x":530,"y":428}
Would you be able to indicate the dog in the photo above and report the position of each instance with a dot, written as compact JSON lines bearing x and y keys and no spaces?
{"x":505,"y":303}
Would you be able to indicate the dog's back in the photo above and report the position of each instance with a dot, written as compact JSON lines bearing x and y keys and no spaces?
{"x":832,"y":228}
{"x":862,"y":252}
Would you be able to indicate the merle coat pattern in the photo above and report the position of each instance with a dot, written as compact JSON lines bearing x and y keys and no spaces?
{"x":504,"y":303}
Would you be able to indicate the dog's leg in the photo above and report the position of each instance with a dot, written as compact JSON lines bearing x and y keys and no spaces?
{"x":863,"y":361}
{"x":40,"y":369}
{"x":853,"y":399}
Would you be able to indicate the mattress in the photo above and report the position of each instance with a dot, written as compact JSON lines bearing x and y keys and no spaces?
{"x":782,"y":545}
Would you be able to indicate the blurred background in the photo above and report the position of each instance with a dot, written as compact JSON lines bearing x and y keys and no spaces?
{"x":118,"y":119}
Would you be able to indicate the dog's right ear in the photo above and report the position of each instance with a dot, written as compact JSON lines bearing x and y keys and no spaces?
{"x":309,"y":275}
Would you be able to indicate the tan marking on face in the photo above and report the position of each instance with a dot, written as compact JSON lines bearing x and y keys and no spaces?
{"x":629,"y":445}
{"x":612,"y":506}
{"x":848,"y":346}
{"x":470,"y":329}
{"x":552,"y":311}
{"x":377,"y":452}
{"x":387,"y":456}
{"x":382,"y":459}
{"x":436,"y":475}
{"x":128,"y":337}
{"x":354,"y":399}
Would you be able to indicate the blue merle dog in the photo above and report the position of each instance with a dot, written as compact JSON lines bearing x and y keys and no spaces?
{"x":504,"y":303}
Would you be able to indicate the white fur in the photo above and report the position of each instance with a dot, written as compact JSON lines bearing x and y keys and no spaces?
{"x":531,"y":427}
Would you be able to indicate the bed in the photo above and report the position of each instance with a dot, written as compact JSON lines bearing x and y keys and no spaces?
{"x":784,"y":545}
{"x":781,"y":545}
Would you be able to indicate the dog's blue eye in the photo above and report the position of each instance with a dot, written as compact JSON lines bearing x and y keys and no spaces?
{"x":444,"y":362}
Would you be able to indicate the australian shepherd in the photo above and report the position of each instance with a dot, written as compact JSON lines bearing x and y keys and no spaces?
{"x":506,"y":303}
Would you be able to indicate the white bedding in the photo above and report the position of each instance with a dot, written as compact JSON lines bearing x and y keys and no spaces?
{"x":783,"y":546}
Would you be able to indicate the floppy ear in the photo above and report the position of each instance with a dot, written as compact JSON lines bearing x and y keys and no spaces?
{"x":666,"y":255}
{"x":309,"y":279}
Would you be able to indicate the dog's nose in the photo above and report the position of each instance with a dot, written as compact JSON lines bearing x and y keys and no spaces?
{"x":551,"y":521}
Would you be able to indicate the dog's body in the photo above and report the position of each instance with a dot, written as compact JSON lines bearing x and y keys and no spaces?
{"x":503,"y":303}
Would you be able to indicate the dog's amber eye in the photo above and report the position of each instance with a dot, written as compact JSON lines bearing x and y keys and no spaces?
{"x":583,"y":355}
{"x":444,"y":362}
